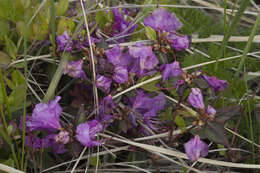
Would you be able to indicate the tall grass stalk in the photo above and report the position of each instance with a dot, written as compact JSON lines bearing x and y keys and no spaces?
{"x":248,"y":45}
{"x":232,"y":27}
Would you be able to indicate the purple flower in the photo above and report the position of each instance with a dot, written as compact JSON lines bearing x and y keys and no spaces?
{"x":120,"y":25}
{"x":62,"y":137}
{"x":45,"y":116}
{"x":103,"y":83}
{"x":63,"y":40}
{"x":215,"y":83}
{"x":162,"y":20}
{"x":145,"y":59}
{"x":120,"y":75}
{"x":74,"y":69}
{"x":86,"y":133}
{"x":179,"y":42}
{"x":33,"y":142}
{"x":171,"y":70}
{"x":196,"y":99}
{"x":195,"y":148}
{"x":148,"y":107}
{"x":107,"y":105}
{"x":118,"y":58}
{"x":210,"y":110}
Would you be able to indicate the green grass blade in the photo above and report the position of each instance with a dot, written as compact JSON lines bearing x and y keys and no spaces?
{"x":56,"y":78}
{"x":233,"y":25}
{"x":248,"y":45}
{"x":5,"y":99}
{"x":53,"y":30}
{"x":25,"y":99}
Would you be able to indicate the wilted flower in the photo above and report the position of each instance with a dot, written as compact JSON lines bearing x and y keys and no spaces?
{"x":74,"y":69}
{"x":62,"y":137}
{"x":86,"y":133}
{"x":45,"y":116}
{"x":107,"y":105}
{"x":120,"y":25}
{"x":103,"y":83}
{"x":171,"y":70}
{"x":196,"y":99}
{"x":145,"y":59}
{"x":195,"y":148}
{"x":162,"y":20}
{"x":63,"y":41}
{"x":120,"y":75}
{"x":50,"y":141}
{"x":179,"y":42}
{"x":148,"y":107}
{"x":215,"y":83}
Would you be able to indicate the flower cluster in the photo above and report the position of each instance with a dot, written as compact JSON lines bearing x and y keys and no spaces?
{"x":45,"y":117}
{"x":119,"y":67}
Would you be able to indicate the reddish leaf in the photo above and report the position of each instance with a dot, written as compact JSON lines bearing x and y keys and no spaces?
{"x":216,"y":133}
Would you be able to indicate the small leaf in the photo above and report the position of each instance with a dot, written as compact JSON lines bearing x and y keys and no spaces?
{"x":222,"y":153}
{"x":94,"y":161}
{"x":150,"y":33}
{"x":65,"y":24}
{"x":186,"y":113}
{"x":101,"y":18}
{"x":201,"y":83}
{"x":26,"y":3}
{"x":62,"y":7}
{"x":4,"y":59}
{"x":4,"y":29}
{"x":10,"y":48}
{"x":227,"y":113}
{"x":18,"y":78}
{"x":167,"y":115}
{"x":180,"y":122}
{"x":216,"y":133}
{"x":150,"y":86}
{"x":9,"y":129}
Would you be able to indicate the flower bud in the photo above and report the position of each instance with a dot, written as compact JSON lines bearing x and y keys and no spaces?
{"x":196,"y":99}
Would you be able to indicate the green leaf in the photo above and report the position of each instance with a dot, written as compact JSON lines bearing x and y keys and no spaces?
{"x":10,"y":48}
{"x":150,"y":33}
{"x":6,"y":9}
{"x":150,"y":86}
{"x":9,"y":129}
{"x":93,"y":161}
{"x":4,"y":29}
{"x":101,"y":18}
{"x":4,"y":59}
{"x":20,"y":28}
{"x":180,"y":122}
{"x":25,"y":3}
{"x":18,"y":78}
{"x":65,"y":24}
{"x":62,"y":7}
{"x":222,"y":153}
{"x":40,"y":31}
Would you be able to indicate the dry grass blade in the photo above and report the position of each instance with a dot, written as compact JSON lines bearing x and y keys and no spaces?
{"x":182,"y":155}
{"x":88,"y":156}
{"x":9,"y":169}
{"x":219,"y":38}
